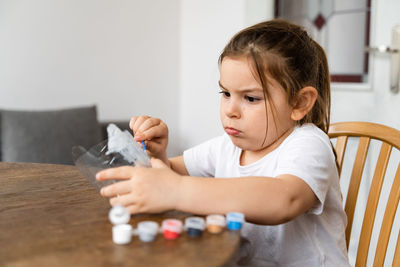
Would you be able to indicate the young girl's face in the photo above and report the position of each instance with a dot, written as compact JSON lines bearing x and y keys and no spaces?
{"x":243,"y":112}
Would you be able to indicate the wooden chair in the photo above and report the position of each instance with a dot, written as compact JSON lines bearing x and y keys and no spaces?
{"x":390,"y":138}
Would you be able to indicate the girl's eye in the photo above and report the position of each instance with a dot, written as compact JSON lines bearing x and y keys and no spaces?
{"x":252,"y":99}
{"x":225,"y":93}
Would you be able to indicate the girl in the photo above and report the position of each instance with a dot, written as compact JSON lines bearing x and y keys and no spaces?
{"x":276,"y":160}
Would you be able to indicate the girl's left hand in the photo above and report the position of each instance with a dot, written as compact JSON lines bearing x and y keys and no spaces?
{"x":144,"y":190}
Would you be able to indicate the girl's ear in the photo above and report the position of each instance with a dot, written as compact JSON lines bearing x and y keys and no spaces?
{"x":304,"y":102}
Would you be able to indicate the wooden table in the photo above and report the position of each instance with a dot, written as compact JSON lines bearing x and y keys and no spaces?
{"x":51,"y":216}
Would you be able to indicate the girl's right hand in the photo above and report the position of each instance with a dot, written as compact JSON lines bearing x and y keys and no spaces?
{"x":155,"y":134}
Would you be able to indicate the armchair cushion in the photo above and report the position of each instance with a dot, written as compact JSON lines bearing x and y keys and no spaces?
{"x":47,"y":136}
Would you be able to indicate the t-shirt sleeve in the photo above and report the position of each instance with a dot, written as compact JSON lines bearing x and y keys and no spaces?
{"x":201,"y":159}
{"x":311,"y":159}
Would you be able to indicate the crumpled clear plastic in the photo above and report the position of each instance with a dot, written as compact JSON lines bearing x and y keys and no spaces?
{"x":118,"y":150}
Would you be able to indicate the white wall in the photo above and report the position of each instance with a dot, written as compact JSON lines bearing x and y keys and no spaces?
{"x":206,"y":27}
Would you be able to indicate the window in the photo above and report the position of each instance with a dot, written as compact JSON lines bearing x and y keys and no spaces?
{"x":341,"y":27}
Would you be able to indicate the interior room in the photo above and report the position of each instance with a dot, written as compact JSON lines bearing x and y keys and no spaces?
{"x":69,"y":68}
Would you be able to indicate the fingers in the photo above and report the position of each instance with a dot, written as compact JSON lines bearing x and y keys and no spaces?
{"x":129,"y":202}
{"x":135,"y":122}
{"x":148,"y":128}
{"x":152,"y":130}
{"x":135,"y":208}
{"x":132,"y":122}
{"x":124,"y":172}
{"x":124,"y":200}
{"x":120,"y":188}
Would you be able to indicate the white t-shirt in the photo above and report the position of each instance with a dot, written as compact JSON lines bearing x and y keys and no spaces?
{"x":315,"y":238}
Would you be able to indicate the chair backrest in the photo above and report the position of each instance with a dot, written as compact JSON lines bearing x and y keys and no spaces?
{"x":390,"y":138}
{"x":47,"y":136}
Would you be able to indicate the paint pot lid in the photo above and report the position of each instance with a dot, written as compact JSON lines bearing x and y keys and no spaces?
{"x":216,"y":219}
{"x":195,"y":222}
{"x":172,"y":225}
{"x":235,"y":217}
{"x":148,"y":227}
{"x":119,"y":215}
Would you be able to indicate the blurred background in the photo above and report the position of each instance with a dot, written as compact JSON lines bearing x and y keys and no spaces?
{"x":160,"y":57}
{"x":128,"y":58}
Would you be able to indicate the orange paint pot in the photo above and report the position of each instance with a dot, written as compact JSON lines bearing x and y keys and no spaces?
{"x":214,"y":229}
{"x":215,"y":223}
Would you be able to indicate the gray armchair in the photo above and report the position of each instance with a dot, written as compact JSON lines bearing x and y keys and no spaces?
{"x":48,"y":136}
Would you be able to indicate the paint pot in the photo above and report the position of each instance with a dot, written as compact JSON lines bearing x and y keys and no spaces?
{"x":215,"y":223}
{"x":147,"y":231}
{"x":121,"y":231}
{"x":171,"y":228}
{"x":119,"y":215}
{"x":194,"y":226}
{"x":122,"y":234}
{"x":235,"y":220}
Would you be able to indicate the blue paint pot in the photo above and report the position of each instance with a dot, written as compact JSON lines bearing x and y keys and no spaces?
{"x":234,"y":220}
{"x":193,"y":232}
{"x":194,"y":226}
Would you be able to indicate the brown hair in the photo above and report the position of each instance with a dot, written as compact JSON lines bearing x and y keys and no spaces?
{"x":288,"y":55}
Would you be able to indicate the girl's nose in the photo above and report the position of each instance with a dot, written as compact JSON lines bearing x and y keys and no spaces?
{"x":232,"y":109}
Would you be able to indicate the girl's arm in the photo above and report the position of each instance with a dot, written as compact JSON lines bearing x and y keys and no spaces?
{"x":263,"y":200}
{"x":178,"y":165}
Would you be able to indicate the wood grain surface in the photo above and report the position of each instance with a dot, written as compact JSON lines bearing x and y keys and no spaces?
{"x":51,"y":216}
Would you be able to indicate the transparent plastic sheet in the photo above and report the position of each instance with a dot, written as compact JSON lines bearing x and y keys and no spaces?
{"x":120,"y":149}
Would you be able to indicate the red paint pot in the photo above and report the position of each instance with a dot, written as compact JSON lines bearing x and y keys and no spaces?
{"x":171,"y":228}
{"x":170,"y":234}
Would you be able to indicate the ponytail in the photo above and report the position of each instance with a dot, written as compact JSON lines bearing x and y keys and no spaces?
{"x":320,"y":114}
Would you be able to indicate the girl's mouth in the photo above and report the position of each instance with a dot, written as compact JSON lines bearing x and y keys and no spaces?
{"x":232,"y":131}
